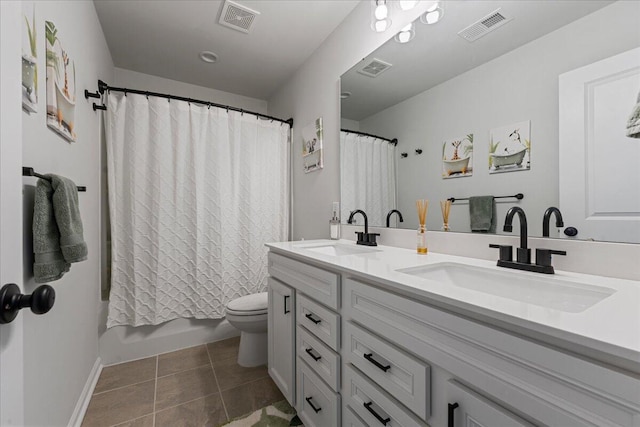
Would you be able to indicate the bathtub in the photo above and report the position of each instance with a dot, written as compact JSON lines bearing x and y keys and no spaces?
{"x":66,"y":109}
{"x":455,"y":166}
{"x":508,"y":159}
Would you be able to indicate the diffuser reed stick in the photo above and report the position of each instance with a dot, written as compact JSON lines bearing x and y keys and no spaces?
{"x":422,"y":206}
{"x":445,"y":206}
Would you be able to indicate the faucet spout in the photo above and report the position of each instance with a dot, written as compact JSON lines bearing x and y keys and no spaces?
{"x":523,"y":254}
{"x":391,"y":212}
{"x":364,"y":215}
{"x":547,"y":219}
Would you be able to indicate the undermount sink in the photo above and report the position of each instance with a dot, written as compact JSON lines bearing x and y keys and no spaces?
{"x":336,"y":249}
{"x":542,"y":291}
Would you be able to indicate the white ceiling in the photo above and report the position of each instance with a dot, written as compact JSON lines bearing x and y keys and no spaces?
{"x":437,"y":53}
{"x":164,"y":38}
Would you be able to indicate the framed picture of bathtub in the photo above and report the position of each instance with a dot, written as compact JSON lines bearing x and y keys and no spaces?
{"x":61,"y":85}
{"x":312,"y":155}
{"x":510,"y":148}
{"x":457,"y":157}
{"x":29,"y":58}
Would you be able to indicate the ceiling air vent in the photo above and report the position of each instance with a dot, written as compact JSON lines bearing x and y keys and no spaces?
{"x":374,"y":68}
{"x":238,"y":17}
{"x":484,"y":26}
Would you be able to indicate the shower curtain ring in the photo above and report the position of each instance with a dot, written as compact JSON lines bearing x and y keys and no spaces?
{"x":241,"y":112}
{"x":147,"y":94}
{"x":209,"y":107}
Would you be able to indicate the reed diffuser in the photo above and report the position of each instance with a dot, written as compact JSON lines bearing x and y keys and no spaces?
{"x":445,"y":206}
{"x":422,"y":206}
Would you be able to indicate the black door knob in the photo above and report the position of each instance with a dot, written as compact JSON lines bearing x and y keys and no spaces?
{"x":12,"y":301}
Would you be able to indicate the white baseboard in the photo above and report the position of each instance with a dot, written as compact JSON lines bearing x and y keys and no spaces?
{"x":85,"y":396}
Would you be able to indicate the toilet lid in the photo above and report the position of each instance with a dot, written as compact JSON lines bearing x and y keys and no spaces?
{"x":255,"y":303}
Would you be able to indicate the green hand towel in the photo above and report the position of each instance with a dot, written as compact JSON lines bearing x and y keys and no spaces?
{"x":67,"y":213}
{"x":481,"y":214}
{"x":49,"y":262}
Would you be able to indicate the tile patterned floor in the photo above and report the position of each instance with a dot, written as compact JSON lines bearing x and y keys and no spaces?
{"x":198,"y":386}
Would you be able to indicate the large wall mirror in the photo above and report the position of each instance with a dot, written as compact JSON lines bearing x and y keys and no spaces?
{"x":535,"y":99}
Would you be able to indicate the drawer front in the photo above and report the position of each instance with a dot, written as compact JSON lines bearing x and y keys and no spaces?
{"x":553,"y":387}
{"x":468,"y":408}
{"x":350,"y":419}
{"x":320,"y":321}
{"x":321,"y":285}
{"x":403,"y":376}
{"x":373,"y":405}
{"x":317,"y":405}
{"x":324,"y":361}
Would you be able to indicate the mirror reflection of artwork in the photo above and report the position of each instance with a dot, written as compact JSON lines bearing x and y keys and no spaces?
{"x":29,"y":59}
{"x":61,"y":86}
{"x":457,"y":157}
{"x":510,"y":148}
{"x":312,"y":146}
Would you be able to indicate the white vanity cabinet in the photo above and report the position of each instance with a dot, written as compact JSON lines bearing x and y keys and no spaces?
{"x":370,"y":354}
{"x":281,"y":333}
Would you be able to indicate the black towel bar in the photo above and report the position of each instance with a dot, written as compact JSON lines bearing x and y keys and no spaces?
{"x":26,"y":171}
{"x":518,"y":196}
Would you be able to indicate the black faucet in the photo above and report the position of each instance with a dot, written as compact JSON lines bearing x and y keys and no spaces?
{"x":523,"y":257}
{"x":391,"y":212}
{"x":547,"y":219}
{"x":523,"y":254}
{"x":364,"y":238}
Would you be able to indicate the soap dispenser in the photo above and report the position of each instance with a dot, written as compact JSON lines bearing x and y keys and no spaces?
{"x":335,"y":222}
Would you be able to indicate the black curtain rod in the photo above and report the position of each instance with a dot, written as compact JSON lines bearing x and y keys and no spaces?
{"x":26,"y":171}
{"x":393,"y":141}
{"x":102,"y":87}
{"x":518,"y":196}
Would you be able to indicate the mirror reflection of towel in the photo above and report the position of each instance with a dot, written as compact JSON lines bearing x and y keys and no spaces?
{"x":482,"y":214}
{"x":633,"y":125}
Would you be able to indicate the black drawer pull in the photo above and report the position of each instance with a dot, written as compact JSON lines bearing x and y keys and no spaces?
{"x":310,"y":317}
{"x":384,"y":421}
{"x":308,"y":399}
{"x":450,"y":415}
{"x":369,"y":357}
{"x":286,"y":298}
{"x":313,"y":356}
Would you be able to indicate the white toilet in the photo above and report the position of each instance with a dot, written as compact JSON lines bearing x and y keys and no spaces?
{"x":249,"y":315}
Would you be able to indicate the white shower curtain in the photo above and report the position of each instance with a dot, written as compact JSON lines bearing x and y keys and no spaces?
{"x":194,"y":194}
{"x":368,"y":177}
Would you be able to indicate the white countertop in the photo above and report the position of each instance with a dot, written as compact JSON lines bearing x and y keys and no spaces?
{"x":611,"y":327}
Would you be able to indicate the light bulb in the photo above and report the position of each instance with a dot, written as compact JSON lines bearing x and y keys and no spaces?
{"x":434,"y":6}
{"x":381,"y":25}
{"x":381,"y":11}
{"x":408,"y":4}
{"x":404,"y":36}
{"x":433,"y":17}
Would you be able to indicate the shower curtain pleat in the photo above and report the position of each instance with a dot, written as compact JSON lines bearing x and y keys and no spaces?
{"x":368,"y":176}
{"x":194,"y":194}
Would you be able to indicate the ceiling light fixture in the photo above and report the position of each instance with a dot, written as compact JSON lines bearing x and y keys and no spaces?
{"x":380,"y":19}
{"x":408,"y":4}
{"x":406,"y":34}
{"x":208,"y":56}
{"x":433,"y":14}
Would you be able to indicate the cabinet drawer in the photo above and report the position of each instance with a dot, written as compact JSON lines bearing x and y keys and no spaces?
{"x":404,"y":377}
{"x":372,"y":404}
{"x":350,"y":419}
{"x":320,"y":321}
{"x":317,"y":405}
{"x":324,"y":361}
{"x":468,"y":408}
{"x":321,"y":285}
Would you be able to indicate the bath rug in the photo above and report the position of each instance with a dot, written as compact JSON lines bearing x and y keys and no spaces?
{"x":280,"y":414}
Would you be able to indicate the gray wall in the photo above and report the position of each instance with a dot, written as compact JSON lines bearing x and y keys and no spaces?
{"x":61,"y":347}
{"x":520,"y":85}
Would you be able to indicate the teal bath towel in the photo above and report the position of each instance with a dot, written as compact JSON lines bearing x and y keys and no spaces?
{"x":57,"y":229}
{"x":482,"y":214}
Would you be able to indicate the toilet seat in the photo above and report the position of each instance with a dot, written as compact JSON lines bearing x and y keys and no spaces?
{"x":249,"y":305}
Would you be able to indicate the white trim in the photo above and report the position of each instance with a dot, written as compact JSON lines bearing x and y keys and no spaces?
{"x":85,"y":397}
